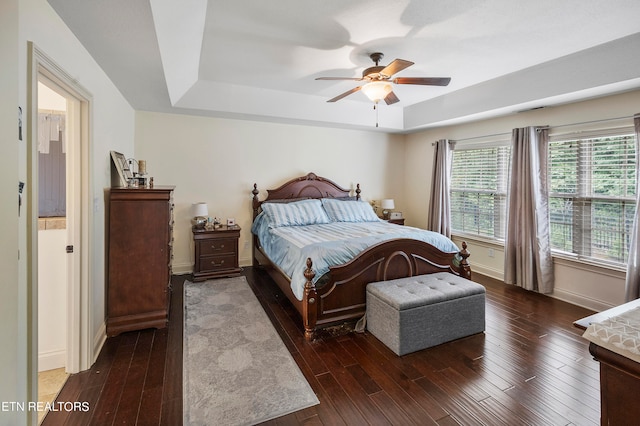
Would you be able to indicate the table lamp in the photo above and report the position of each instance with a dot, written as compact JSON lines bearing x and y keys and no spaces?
{"x":200,"y":213}
{"x":386,"y":206}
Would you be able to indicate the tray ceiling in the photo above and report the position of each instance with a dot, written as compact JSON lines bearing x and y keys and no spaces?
{"x":259,"y":60}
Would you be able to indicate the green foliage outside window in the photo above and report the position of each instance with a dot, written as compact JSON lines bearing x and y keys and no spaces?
{"x":592,"y":184}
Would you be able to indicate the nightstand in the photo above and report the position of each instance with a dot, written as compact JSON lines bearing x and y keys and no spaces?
{"x":397,"y":221}
{"x":216,"y":252}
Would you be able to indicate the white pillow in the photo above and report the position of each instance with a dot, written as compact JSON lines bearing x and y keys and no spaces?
{"x":349,"y":211}
{"x":305,"y":212}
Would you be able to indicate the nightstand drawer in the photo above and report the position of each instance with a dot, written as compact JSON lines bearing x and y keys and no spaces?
{"x":218,"y":263}
{"x":218,"y":246}
{"x":216,"y":253}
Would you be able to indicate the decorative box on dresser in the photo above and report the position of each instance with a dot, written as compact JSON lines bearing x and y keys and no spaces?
{"x":216,"y":252}
{"x":140,"y":233}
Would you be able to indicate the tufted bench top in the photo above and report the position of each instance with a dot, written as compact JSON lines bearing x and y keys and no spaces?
{"x":421,"y":290}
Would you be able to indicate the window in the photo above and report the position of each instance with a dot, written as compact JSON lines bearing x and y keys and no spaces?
{"x":479,"y":190}
{"x":592,"y":187}
{"x":52,"y":191}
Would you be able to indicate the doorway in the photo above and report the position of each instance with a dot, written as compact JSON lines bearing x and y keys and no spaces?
{"x":53,"y":175}
{"x":52,"y":226}
{"x":77,"y":352}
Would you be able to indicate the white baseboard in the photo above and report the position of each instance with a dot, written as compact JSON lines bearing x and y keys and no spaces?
{"x":580,"y":300}
{"x":98,"y":342}
{"x":181,"y":268}
{"x":51,"y":360}
{"x":489,"y":272}
{"x":565,"y":296}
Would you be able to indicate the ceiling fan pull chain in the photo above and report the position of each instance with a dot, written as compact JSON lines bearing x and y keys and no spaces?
{"x":375,"y":107}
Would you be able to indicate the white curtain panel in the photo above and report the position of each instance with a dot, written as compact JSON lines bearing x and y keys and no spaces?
{"x":440,"y":202}
{"x":528,"y":262}
{"x":632,"y":285}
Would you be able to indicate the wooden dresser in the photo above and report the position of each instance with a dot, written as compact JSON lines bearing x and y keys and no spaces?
{"x":216,"y":252}
{"x":619,"y":375}
{"x":140,"y":239}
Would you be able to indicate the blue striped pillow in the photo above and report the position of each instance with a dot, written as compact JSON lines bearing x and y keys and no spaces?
{"x":349,"y":211}
{"x":305,"y":212}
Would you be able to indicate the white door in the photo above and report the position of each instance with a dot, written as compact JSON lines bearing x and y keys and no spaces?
{"x":53,"y":176}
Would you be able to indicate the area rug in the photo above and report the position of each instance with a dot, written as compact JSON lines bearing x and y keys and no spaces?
{"x":236,"y":369}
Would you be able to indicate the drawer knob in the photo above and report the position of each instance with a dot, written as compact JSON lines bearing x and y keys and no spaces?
{"x":213,"y":246}
{"x":213,"y":262}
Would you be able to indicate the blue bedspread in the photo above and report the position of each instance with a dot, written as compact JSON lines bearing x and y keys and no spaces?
{"x":331,"y":244}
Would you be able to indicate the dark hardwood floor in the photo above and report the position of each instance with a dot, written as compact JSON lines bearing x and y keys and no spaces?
{"x":530,"y":367}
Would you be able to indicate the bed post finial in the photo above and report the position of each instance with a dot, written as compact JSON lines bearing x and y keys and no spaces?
{"x":309,"y":301}
{"x":358,"y":191}
{"x":256,"y":202}
{"x":465,"y":268}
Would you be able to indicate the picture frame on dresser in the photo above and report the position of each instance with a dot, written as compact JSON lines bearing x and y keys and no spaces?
{"x":120,"y":172}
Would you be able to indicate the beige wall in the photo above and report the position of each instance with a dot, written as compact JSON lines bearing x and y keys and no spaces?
{"x":218,"y":160}
{"x":586,"y":285}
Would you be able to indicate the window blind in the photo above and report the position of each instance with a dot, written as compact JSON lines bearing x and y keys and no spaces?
{"x":592,"y":187}
{"x":479,"y":189}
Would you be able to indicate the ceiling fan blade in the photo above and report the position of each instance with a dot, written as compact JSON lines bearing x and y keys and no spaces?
{"x":340,"y":78}
{"x":427,"y":81}
{"x":396,"y":66}
{"x":345,"y":94}
{"x":391,"y":98}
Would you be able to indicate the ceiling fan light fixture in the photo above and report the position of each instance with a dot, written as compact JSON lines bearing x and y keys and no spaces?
{"x":376,"y":90}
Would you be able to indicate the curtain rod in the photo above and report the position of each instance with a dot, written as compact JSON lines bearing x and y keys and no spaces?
{"x":475,"y":137}
{"x":604,"y":120}
{"x":550,"y":127}
{"x":481,"y":137}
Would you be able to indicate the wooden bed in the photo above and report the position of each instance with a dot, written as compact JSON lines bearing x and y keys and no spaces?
{"x":342,"y":295}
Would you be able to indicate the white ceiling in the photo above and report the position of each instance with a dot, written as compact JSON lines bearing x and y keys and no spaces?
{"x":259,"y":59}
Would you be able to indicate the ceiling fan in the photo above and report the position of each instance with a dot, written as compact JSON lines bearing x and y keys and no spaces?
{"x":378,"y":78}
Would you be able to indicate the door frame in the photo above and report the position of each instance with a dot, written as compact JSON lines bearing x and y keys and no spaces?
{"x":80,"y":349}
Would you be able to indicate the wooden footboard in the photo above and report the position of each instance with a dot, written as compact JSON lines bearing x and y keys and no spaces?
{"x":343,"y":297}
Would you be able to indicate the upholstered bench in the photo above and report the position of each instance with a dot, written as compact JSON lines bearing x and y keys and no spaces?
{"x":414,"y":313}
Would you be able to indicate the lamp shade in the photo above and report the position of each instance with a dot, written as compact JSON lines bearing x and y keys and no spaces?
{"x":387,"y":204}
{"x":200,"y":210}
{"x":376,"y":90}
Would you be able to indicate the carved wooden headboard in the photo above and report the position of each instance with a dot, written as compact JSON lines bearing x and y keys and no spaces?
{"x":303,"y":187}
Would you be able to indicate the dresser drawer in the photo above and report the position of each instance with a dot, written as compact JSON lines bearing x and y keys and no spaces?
{"x":218,"y":246}
{"x":218,"y":263}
